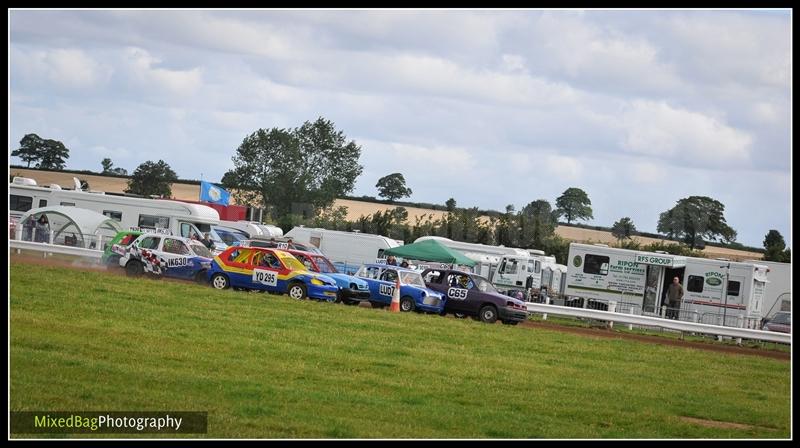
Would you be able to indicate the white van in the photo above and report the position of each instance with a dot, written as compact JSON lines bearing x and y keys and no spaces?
{"x":254,"y":230}
{"x":351,"y":248}
{"x":640,"y":280}
{"x":180,"y":218}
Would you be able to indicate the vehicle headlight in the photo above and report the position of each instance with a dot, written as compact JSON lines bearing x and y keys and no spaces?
{"x":316,"y":281}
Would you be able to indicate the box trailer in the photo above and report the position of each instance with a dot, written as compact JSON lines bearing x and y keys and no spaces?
{"x":597,"y":274}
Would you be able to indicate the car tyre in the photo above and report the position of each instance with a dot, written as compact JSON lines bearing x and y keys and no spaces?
{"x":298,"y":291}
{"x":134,"y":269}
{"x":488,"y":314}
{"x":220,"y":281}
{"x":460,"y":315}
{"x":406,"y":304}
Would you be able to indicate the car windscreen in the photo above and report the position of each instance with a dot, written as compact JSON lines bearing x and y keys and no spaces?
{"x":780,"y":318}
{"x":324,"y":265}
{"x":411,"y":278}
{"x":230,"y":236}
{"x":293,"y":263}
{"x":200,"y":250}
{"x":485,"y":286}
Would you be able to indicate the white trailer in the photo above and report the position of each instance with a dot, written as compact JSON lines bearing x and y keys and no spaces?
{"x":253,"y":229}
{"x":350,"y":248}
{"x":508,"y":268}
{"x":598,"y":273}
{"x":778,"y":294}
{"x":180,"y":218}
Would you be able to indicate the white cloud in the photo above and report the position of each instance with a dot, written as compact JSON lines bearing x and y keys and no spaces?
{"x":563,"y":168}
{"x":648,"y":172}
{"x":140,"y":64}
{"x":657,"y":129}
{"x":61,"y":67}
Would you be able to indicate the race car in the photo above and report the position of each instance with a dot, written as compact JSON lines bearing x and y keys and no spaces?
{"x":414,"y":295}
{"x":352,"y":290}
{"x":272,"y":270}
{"x":119,"y":246}
{"x":470,"y":294}
{"x":167,"y":255}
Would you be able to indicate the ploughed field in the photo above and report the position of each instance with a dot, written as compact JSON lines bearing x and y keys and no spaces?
{"x":268,"y":366}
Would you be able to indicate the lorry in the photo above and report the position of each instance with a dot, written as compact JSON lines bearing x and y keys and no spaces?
{"x":348,"y":250}
{"x":509,"y":269}
{"x":134,"y":213}
{"x":598,"y":274}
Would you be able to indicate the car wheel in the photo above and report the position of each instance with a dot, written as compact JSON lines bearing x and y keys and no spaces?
{"x":220,"y":281}
{"x":201,"y":277}
{"x":459,"y":315}
{"x":488,"y":314}
{"x":298,"y":291}
{"x":406,"y":304}
{"x":134,"y":269}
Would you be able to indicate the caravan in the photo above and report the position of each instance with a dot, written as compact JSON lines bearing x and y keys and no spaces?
{"x":348,"y":250}
{"x":598,"y":274}
{"x":179,"y":218}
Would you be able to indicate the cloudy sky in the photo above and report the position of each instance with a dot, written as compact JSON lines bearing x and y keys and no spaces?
{"x":638,"y":108}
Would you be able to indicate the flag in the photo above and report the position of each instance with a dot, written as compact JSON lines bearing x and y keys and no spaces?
{"x":214,"y":194}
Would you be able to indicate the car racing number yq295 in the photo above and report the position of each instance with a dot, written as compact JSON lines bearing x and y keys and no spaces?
{"x":457,"y":294}
{"x":269,"y":278}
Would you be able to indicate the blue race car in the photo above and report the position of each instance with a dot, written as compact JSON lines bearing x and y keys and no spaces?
{"x":270,"y":270}
{"x":414,"y":295}
{"x":352,"y":290}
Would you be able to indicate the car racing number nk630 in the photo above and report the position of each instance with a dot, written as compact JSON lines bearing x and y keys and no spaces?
{"x":269,"y":278}
{"x":457,"y":294}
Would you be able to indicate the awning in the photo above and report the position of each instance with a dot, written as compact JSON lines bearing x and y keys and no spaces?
{"x":430,"y":250}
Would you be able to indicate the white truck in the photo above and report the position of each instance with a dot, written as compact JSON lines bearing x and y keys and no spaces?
{"x":348,"y":250}
{"x":180,"y":218}
{"x":598,"y":274}
{"x":509,"y":269}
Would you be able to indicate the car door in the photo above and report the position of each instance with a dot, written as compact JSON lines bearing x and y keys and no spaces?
{"x":175,"y":258}
{"x":457,"y":294}
{"x":267,"y":269}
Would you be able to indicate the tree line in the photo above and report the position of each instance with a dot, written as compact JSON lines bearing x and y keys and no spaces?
{"x":297,"y":173}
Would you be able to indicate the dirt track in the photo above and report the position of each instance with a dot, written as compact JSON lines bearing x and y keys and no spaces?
{"x":592,"y":332}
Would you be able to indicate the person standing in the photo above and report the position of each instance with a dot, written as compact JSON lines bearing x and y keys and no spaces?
{"x":674,"y":296}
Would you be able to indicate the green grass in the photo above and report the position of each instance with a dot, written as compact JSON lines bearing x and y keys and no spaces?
{"x":267,"y":366}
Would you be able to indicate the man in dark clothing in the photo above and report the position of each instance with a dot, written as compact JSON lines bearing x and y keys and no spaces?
{"x":674,"y":296}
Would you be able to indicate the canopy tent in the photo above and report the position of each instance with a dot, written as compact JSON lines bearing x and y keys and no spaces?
{"x":71,"y":226}
{"x":430,"y":250}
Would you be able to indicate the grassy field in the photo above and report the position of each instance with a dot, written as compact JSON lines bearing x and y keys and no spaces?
{"x":268,"y":366}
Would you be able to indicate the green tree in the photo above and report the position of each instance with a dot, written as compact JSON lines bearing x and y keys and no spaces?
{"x":108,"y":168}
{"x":152,"y":179}
{"x":538,"y":222}
{"x":774,"y":245}
{"x":107,"y":164}
{"x":50,"y":154}
{"x":294,"y":171}
{"x":574,"y":204}
{"x":694,"y":219}
{"x":31,"y":148}
{"x":393,"y":187}
{"x":623,"y":229}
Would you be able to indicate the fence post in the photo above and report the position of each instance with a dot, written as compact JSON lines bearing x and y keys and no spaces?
{"x":99,"y":242}
{"x":741,"y":325}
{"x":663,"y":311}
{"x":546,"y":302}
{"x":50,"y":237}
{"x":630,"y":326}
{"x":612,"y":308}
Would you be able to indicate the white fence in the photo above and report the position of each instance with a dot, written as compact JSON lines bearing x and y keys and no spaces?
{"x":47,"y":249}
{"x":633,"y":319}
